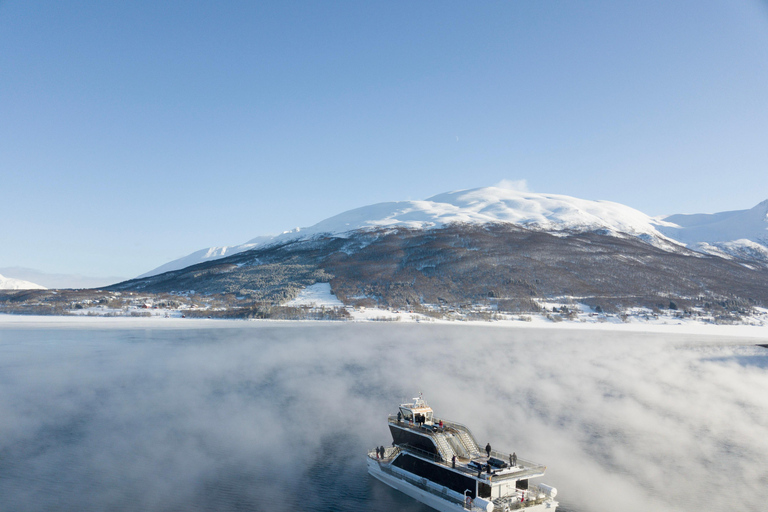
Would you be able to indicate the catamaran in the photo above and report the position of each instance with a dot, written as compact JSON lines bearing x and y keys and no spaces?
{"x":439,"y":463}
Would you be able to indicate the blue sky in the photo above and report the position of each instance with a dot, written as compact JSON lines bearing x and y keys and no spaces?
{"x":132,"y":133}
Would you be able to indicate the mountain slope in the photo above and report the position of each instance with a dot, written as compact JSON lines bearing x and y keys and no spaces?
{"x":211,"y":253}
{"x":542,"y":212}
{"x":500,"y":266}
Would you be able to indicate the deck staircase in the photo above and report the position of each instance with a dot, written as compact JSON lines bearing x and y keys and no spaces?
{"x":456,"y":440}
{"x":469,"y":442}
{"x":458,"y":446}
{"x":444,"y":447}
{"x":466,"y":439}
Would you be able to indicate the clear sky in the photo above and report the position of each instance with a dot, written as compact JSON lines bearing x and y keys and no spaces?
{"x":135,"y":132}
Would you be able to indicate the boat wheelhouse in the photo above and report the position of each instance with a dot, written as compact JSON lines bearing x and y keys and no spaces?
{"x":440,"y":463}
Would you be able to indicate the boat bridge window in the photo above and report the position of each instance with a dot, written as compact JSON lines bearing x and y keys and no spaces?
{"x":407,"y":414}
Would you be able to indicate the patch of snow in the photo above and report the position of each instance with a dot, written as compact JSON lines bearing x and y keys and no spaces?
{"x":386,"y":315}
{"x":317,"y":295}
{"x":742,"y":248}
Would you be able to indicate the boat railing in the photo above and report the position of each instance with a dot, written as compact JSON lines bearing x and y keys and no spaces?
{"x":433,"y":427}
{"x":522,"y":463}
{"x":423,"y":453}
{"x":435,"y":421}
{"x":533,"y":496}
{"x":470,"y":471}
{"x":457,"y":426}
{"x":447,"y":424}
{"x":389,"y":452}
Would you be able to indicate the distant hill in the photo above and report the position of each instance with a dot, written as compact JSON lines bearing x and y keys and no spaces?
{"x":7,"y":283}
{"x":58,"y":281}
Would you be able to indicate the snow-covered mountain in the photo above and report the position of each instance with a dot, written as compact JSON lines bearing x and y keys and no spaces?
{"x":740,"y":233}
{"x":7,"y":283}
{"x":536,"y":211}
{"x":546,"y":212}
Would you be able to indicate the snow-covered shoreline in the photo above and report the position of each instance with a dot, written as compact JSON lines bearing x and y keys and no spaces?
{"x":320,"y":296}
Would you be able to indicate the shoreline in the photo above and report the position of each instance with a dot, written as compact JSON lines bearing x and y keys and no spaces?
{"x":11,"y":321}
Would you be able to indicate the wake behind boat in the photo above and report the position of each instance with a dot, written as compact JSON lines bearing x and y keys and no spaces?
{"x":439,"y":463}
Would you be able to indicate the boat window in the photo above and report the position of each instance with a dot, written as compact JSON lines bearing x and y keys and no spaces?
{"x":407,"y":414}
{"x":429,"y":417}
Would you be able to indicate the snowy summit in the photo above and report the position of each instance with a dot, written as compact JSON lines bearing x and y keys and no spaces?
{"x":550,"y":212}
{"x":536,"y":211}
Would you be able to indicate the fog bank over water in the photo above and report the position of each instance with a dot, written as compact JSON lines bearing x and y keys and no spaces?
{"x":274,"y":416}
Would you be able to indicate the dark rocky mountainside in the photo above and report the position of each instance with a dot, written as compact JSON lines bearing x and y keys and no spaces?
{"x":500,"y":265}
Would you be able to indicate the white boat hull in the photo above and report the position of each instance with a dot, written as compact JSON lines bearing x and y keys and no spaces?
{"x":434,"y":501}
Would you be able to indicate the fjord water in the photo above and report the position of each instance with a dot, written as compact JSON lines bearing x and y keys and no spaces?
{"x":279,"y":416}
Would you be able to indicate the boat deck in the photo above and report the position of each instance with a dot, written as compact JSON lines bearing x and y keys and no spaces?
{"x":520,"y":499}
{"x":471,"y":461}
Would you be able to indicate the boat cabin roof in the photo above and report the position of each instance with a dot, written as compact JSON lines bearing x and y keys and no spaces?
{"x":418,"y":406}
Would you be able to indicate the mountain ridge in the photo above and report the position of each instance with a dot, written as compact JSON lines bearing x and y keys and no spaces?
{"x":487,"y":205}
{"x":740,"y":234}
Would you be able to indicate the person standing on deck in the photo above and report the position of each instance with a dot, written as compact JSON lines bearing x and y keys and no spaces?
{"x":488,"y":449}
